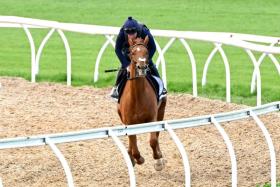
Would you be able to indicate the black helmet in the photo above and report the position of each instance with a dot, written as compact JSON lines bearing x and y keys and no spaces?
{"x":130,"y":26}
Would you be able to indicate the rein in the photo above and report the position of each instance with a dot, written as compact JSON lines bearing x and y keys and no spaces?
{"x":136,"y":77}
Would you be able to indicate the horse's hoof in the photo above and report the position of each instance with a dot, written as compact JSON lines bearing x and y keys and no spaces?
{"x":140,"y":161}
{"x":132,"y":161}
{"x":159,"y":164}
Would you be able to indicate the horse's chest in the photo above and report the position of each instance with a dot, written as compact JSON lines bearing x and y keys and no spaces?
{"x":135,"y":118}
{"x":139,"y":114}
{"x":139,"y":106}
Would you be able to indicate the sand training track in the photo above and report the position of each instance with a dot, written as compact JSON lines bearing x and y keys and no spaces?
{"x":30,"y":109}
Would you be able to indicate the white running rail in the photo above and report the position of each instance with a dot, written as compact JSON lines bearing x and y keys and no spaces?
{"x":170,"y":125}
{"x":219,"y":39}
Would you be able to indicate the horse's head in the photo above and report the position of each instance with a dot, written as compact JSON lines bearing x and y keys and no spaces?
{"x":139,"y":56}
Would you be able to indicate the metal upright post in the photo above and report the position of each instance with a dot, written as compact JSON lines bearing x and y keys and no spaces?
{"x":62,"y":160}
{"x":183,"y":153}
{"x":126,"y":157}
{"x":270,"y":147}
{"x":230,"y":149}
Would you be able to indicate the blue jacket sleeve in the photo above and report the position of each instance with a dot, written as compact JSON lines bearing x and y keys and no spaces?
{"x":118,"y":49}
{"x":151,"y":45}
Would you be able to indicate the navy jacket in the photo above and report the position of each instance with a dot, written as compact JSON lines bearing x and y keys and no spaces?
{"x":122,"y":46}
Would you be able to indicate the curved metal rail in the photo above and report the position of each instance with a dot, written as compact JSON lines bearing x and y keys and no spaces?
{"x":170,"y":125}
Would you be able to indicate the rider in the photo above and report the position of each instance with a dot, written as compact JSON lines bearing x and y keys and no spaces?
{"x":131,"y":30}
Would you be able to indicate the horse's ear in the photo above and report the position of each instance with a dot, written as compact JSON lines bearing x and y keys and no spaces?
{"x":146,"y":40}
{"x":130,"y":42}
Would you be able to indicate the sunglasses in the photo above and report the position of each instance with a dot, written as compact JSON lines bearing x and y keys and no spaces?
{"x":130,"y":30}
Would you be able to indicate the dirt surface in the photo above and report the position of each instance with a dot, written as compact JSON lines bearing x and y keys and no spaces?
{"x":31,"y":109}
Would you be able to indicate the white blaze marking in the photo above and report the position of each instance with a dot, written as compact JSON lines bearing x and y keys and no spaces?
{"x":138,"y":49}
{"x":142,"y":59}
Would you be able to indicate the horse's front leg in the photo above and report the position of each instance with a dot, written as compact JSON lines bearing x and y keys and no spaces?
{"x":133,"y":150}
{"x":130,"y":152}
{"x":159,"y":162}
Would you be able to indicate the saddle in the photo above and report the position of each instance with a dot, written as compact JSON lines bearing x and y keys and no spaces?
{"x":154,"y":81}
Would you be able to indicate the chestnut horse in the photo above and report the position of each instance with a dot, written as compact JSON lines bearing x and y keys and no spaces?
{"x":138,"y":103}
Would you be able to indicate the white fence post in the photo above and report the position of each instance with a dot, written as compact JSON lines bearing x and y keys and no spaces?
{"x":165,"y":48}
{"x":193,"y":64}
{"x":227,"y":68}
{"x":101,"y":51}
{"x":183,"y":153}
{"x":259,"y":62}
{"x":230,"y":149}
{"x":68,"y":56}
{"x":33,"y":53}
{"x":258,"y":74}
{"x":41,"y":47}
{"x":270,"y":146}
{"x":36,"y":58}
{"x":206,"y":65}
{"x":126,"y":157}
{"x":162,"y":60}
{"x":62,"y":160}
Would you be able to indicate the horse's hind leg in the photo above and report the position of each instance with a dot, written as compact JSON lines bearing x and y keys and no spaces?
{"x":133,"y":150}
{"x":161,"y":109}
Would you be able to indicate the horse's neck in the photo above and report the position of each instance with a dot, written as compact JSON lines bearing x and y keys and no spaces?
{"x":137,"y":88}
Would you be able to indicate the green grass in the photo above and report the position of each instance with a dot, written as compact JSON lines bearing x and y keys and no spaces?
{"x":268,"y":185}
{"x":251,"y":16}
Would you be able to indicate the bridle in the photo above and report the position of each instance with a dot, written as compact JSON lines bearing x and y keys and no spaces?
{"x":137,"y":70}
{"x":131,"y":47}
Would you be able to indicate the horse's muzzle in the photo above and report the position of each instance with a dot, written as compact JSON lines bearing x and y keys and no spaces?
{"x":141,"y":70}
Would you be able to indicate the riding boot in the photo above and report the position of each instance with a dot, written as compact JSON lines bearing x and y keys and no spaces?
{"x":121,"y":74}
{"x":154,"y":71}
